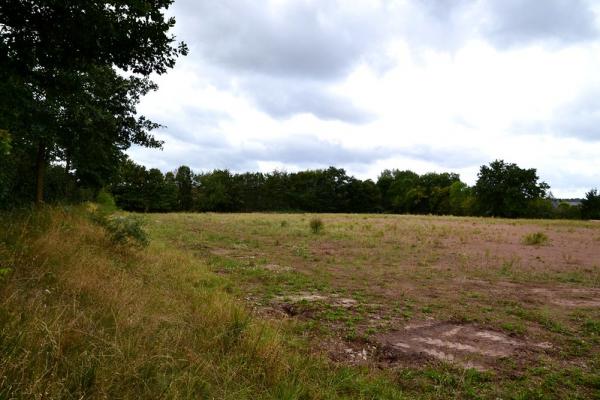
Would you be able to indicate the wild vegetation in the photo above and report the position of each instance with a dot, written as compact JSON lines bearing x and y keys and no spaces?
{"x":502,"y":189}
{"x":99,"y":303}
{"x":257,"y":306}
{"x":453,"y":307}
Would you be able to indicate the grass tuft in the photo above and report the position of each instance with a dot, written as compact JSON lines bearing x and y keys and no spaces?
{"x":316,"y":225}
{"x":535,"y":239}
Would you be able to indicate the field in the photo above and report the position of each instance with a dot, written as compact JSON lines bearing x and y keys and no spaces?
{"x":495,"y":306}
{"x":260,"y":306}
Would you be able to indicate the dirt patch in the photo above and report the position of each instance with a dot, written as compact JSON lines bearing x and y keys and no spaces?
{"x":466,"y":345}
{"x":276,"y":268}
{"x":569,"y":297}
{"x":221,"y":252}
{"x":563,"y":296}
{"x":333,"y":299}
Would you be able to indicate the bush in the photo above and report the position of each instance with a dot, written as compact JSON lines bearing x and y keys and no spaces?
{"x":106,"y":200}
{"x":127,"y":230}
{"x":122,"y":230}
{"x":316,"y":225}
{"x":534,"y":239}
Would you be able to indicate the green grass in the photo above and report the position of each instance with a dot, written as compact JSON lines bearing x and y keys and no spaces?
{"x":535,"y":239}
{"x":84,"y":316}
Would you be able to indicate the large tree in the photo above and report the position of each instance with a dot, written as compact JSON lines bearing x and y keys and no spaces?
{"x":506,"y":190}
{"x":72,"y":73}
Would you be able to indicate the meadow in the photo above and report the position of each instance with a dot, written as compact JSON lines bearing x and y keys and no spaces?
{"x":234,"y":306}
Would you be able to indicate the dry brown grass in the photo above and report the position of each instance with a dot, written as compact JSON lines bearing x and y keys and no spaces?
{"x":81,"y":318}
{"x":368,"y":277}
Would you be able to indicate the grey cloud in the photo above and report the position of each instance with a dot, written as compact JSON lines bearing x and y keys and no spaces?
{"x":302,"y":151}
{"x":305,"y":151}
{"x":513,"y":22}
{"x":303,"y":39}
{"x":196,"y":125}
{"x":578,"y":119}
{"x":309,"y":150}
{"x":446,"y":157}
{"x":559,"y":20}
{"x":447,"y":25}
{"x":285,"y":98}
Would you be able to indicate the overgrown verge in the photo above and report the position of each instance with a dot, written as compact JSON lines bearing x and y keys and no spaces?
{"x":83,"y":315}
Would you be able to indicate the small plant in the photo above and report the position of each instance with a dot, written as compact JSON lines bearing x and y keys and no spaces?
{"x":126,"y":230}
{"x":535,"y":239}
{"x":316,"y":225}
{"x":4,"y":272}
{"x":106,"y":201}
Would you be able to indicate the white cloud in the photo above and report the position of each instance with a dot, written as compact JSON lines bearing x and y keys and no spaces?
{"x":368,"y":85}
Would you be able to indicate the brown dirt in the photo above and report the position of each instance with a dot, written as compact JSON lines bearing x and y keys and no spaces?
{"x":465,"y":345}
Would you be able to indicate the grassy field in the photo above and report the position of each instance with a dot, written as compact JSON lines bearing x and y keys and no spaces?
{"x":247,"y":306}
{"x":454,"y":306}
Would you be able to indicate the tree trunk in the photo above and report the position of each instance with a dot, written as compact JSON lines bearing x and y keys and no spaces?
{"x":40,"y":170}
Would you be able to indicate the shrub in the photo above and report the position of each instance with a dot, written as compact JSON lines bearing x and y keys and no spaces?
{"x":122,"y":230}
{"x":316,"y":225}
{"x":127,"y":230}
{"x":106,"y":200}
{"x":536,"y":238}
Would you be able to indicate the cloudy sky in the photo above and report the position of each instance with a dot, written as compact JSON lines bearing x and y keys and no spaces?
{"x":426,"y":85}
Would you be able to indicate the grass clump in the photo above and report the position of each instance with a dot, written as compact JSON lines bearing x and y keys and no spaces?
{"x":316,"y":225}
{"x":535,"y":239}
{"x":125,"y":230}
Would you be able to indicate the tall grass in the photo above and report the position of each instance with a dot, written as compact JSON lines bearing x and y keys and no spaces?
{"x":82,"y":317}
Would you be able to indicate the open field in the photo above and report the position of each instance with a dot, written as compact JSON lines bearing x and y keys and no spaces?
{"x":482,"y":307}
{"x":256,"y":306}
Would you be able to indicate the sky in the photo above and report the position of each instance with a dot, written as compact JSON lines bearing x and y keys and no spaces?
{"x":367,"y":85}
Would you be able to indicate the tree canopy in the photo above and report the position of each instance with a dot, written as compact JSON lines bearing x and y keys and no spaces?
{"x":72,"y":73}
{"x":506,"y":190}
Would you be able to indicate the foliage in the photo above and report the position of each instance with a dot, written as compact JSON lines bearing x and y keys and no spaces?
{"x":590,"y":206}
{"x":81,"y":320}
{"x":536,"y":238}
{"x":106,"y":200}
{"x":5,"y":148}
{"x":63,"y":98}
{"x":316,"y":225}
{"x":125,"y":230}
{"x":566,"y":211}
{"x":331,"y":190}
{"x":505,"y":190}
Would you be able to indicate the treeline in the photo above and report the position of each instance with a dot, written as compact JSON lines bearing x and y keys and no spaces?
{"x":502,"y":189}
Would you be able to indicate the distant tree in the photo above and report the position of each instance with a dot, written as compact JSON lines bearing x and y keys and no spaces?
{"x":184,"y":178}
{"x":398,"y":190}
{"x":363,"y":196}
{"x":460,"y":198}
{"x":566,"y":211}
{"x":505,"y":190}
{"x":215,"y":192}
{"x":129,"y":186}
{"x":590,"y":206}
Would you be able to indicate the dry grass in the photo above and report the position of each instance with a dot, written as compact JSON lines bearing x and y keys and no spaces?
{"x":369,"y":275}
{"x":83,"y":318}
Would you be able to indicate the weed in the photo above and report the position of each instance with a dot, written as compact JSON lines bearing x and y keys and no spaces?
{"x":4,"y":272}
{"x":126,"y":230}
{"x":592,"y":327}
{"x":535,"y":239}
{"x":515,"y":327}
{"x":316,"y":225}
